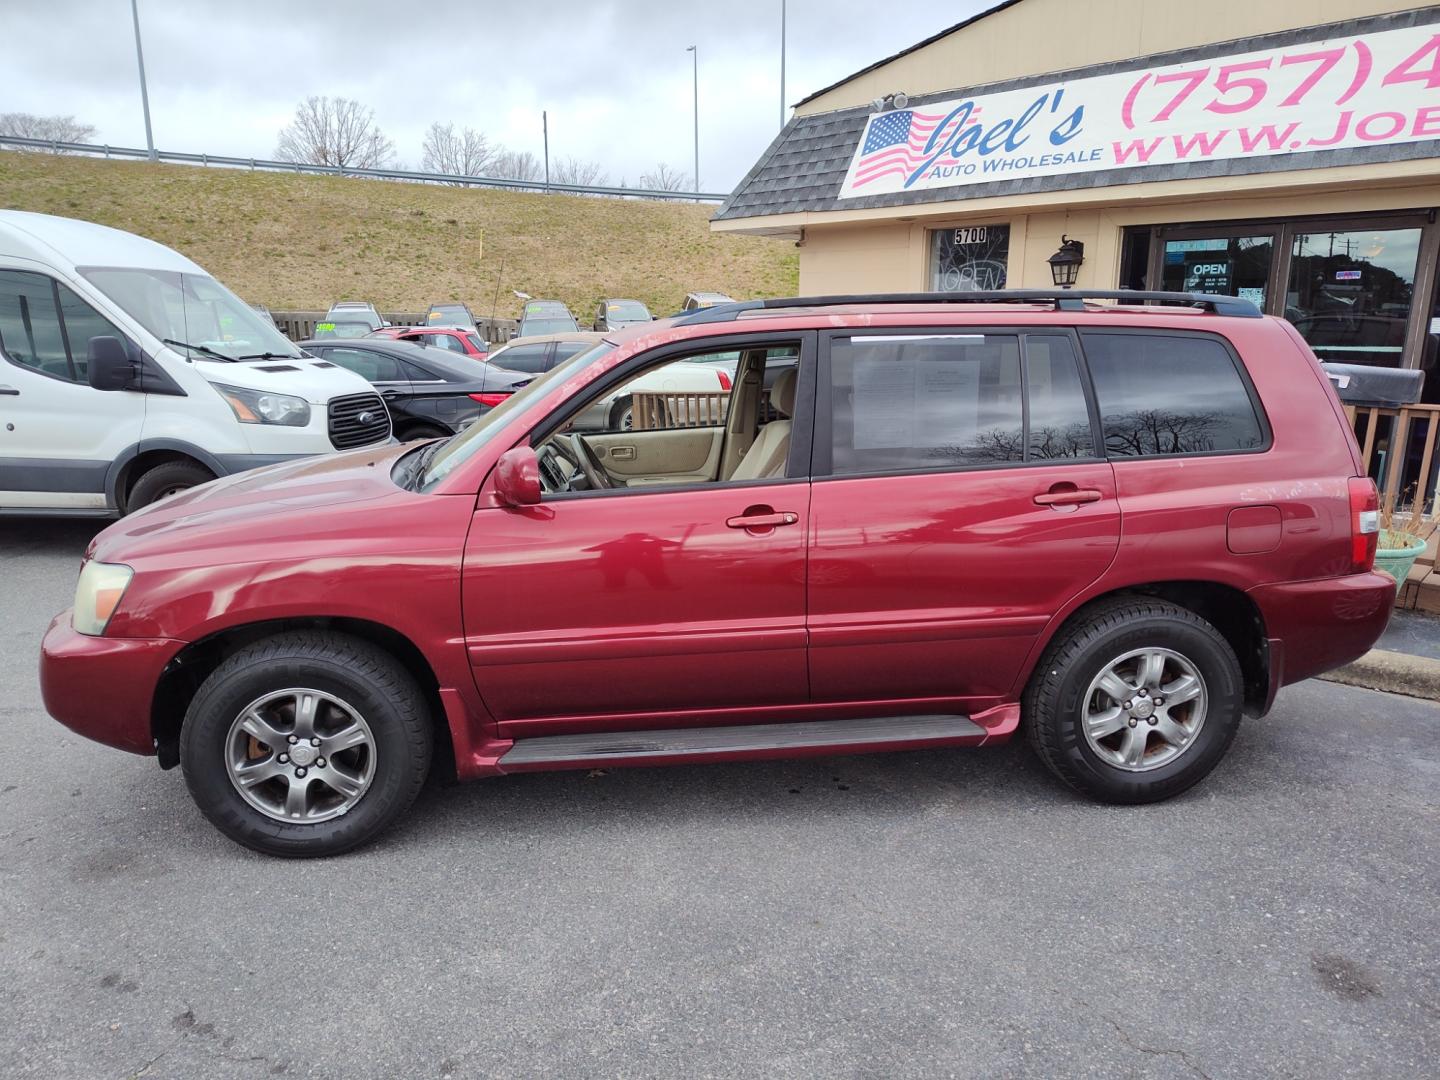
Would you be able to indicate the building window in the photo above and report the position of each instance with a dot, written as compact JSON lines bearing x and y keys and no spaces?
{"x":1350,"y":293}
{"x":969,"y":259}
{"x":1228,"y":265}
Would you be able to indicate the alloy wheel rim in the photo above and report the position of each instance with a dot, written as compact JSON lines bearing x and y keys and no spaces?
{"x":300,"y":755}
{"x":1144,"y":709}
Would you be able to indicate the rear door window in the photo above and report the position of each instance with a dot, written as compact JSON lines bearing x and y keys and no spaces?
{"x":1166,"y":394}
{"x":527,"y":358}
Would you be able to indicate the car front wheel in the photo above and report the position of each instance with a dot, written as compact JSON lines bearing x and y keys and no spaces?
{"x":306,"y":744}
{"x":1136,"y":701}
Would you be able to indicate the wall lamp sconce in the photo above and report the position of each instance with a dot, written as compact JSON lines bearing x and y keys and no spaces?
{"x":1065,"y":263}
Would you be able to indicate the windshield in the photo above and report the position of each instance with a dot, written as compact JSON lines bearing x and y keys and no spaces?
{"x":464,"y":446}
{"x":450,"y":315}
{"x":190,"y":307}
{"x":626,"y":311}
{"x":532,"y":327}
{"x":342,"y":329}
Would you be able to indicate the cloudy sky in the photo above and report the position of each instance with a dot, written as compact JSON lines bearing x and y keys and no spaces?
{"x":615,"y":78}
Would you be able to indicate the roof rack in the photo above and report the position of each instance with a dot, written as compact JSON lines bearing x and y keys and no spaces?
{"x":1063,"y":300}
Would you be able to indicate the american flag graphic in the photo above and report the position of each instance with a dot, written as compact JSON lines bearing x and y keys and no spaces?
{"x":895,"y":144}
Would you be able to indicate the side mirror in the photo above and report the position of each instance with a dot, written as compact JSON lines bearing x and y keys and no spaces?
{"x":108,"y":364}
{"x":517,"y":477}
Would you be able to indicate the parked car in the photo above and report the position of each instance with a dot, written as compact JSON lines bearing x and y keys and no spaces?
{"x":452,"y":314}
{"x":1123,"y":526}
{"x":618,"y":314}
{"x":455,"y":339}
{"x":355,"y":311}
{"x":429,"y":392}
{"x":698,"y":301}
{"x":545,"y":317}
{"x":127,"y":373}
{"x":538,"y":354}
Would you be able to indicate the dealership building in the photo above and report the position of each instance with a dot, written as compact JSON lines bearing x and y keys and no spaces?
{"x":1287,"y":151}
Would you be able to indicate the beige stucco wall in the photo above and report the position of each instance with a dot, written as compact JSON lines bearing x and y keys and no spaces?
{"x":1039,"y":36}
{"x":874,"y":256}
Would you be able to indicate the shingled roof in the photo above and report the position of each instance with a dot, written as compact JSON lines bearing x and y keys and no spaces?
{"x":802,"y":170}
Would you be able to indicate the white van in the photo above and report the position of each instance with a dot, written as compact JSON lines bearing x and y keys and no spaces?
{"x":128,"y":373}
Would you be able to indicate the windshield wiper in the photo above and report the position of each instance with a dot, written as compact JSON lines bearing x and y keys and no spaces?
{"x":200,"y":349}
{"x":268,"y":356}
{"x":422,"y":464}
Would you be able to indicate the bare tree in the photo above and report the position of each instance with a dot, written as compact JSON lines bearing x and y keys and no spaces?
{"x":664,"y":178}
{"x":571,"y":170}
{"x":516,"y":165}
{"x":466,"y":153}
{"x":54,"y":128}
{"x":334,"y":131}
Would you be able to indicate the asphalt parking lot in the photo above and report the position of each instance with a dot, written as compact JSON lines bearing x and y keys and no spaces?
{"x":922,"y":914}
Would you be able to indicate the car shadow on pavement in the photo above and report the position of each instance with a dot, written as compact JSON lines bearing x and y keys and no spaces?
{"x":555,"y":804}
{"x":26,"y":536}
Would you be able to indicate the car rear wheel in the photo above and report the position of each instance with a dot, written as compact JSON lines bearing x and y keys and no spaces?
{"x":1136,"y":701}
{"x":306,"y":744}
{"x":166,"y":479}
{"x":423,"y":431}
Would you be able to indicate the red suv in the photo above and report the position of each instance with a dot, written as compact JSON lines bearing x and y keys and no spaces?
{"x":1119,"y":526}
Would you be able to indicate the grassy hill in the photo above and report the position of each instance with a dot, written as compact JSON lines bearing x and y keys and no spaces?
{"x":299,"y":242}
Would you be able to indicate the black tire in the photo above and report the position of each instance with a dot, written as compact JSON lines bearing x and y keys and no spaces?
{"x":621,"y":416}
{"x":424,"y":431}
{"x":357,"y":672}
{"x":1055,"y":704}
{"x":165,"y":479}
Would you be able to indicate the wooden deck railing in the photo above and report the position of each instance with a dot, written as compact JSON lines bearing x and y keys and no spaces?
{"x":654,"y":411}
{"x":1397,"y":446}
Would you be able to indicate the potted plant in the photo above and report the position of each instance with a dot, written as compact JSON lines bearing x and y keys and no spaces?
{"x":1403,"y":538}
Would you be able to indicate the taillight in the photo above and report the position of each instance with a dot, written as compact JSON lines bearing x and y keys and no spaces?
{"x":1364,"y":523}
{"x":491,"y":399}
{"x":724,"y":379}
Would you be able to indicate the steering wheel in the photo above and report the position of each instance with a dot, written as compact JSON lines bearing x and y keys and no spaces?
{"x":589,"y":463}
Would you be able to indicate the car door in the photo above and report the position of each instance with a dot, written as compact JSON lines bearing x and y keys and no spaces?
{"x":657,"y":605}
{"x":59,"y":437}
{"x":962,"y":497}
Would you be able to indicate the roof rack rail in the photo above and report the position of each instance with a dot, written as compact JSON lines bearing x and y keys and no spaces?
{"x":1063,"y":299}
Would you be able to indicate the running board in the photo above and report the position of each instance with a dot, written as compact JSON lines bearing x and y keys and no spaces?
{"x":887,"y":732}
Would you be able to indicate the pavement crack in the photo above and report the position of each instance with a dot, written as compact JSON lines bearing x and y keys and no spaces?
{"x":1184,"y":1056}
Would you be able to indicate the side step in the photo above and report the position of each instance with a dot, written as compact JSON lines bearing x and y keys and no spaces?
{"x":890,"y":732}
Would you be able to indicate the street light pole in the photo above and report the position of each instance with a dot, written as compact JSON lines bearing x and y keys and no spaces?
{"x":782,"y":64}
{"x":144,"y":94}
{"x":696,"y":72}
{"x":545,"y":125}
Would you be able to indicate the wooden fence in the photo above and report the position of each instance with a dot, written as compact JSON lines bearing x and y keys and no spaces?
{"x":677,"y":409}
{"x":1397,"y":446}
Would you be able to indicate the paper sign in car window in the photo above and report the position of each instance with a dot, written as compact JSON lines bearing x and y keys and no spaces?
{"x":324,"y":326}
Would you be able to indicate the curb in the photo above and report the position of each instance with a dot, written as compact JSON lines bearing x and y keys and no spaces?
{"x":1393,"y":673}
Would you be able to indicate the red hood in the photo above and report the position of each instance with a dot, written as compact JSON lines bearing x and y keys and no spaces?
{"x":252,"y":506}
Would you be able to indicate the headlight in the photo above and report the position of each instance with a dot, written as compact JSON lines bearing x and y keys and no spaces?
{"x":263,"y":407}
{"x":97,"y":595}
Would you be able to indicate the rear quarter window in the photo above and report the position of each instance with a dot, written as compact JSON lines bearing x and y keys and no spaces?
{"x":1161,"y":395}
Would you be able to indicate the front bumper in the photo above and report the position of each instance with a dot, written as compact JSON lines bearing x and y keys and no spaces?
{"x":1317,"y":626}
{"x":102,"y":687}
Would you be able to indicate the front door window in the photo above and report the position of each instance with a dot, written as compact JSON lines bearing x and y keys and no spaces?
{"x":1350,"y":293}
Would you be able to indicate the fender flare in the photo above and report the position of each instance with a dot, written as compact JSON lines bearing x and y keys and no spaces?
{"x":145,"y":446}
